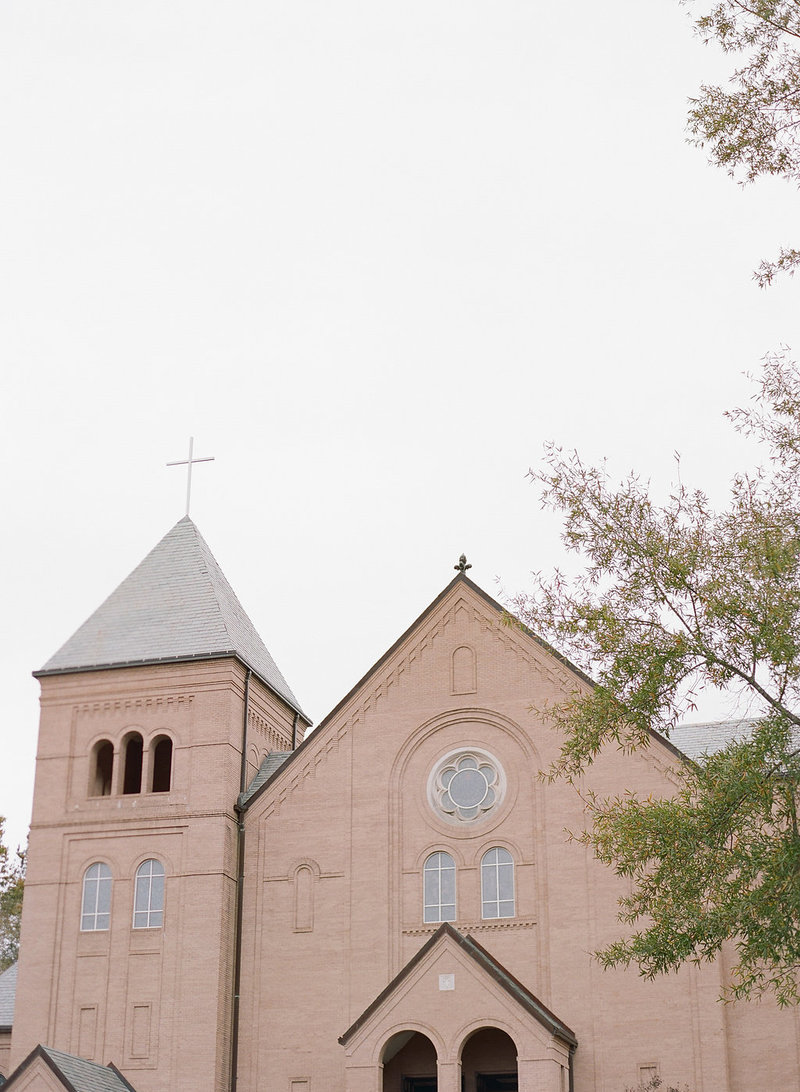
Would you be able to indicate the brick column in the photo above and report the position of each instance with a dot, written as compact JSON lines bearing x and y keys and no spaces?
{"x":448,"y":1077}
{"x":539,"y":1075}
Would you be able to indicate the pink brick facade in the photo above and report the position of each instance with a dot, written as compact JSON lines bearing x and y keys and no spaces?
{"x":155,"y":1001}
{"x":343,"y":983}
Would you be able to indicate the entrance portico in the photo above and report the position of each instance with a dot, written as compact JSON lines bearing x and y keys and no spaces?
{"x":454,"y":1020}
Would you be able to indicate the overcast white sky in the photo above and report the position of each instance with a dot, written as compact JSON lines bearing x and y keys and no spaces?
{"x":371,"y":255}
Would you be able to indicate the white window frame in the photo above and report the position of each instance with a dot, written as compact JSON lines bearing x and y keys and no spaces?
{"x":497,"y":862}
{"x":435,"y":909}
{"x":96,"y":894}
{"x":148,"y":895}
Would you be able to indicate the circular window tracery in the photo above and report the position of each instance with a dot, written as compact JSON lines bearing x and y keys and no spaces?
{"x":466,"y":785}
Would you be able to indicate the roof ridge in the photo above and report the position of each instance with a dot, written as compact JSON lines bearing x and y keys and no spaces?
{"x":208,"y":556}
{"x":55,"y":1053}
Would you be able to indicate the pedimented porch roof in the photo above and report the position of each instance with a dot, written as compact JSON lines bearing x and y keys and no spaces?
{"x":498,"y":974}
{"x":46,"y":1068}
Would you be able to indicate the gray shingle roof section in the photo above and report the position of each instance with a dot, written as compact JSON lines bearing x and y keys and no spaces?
{"x":176,"y":605}
{"x":8,"y":992}
{"x":696,"y":740}
{"x":273,"y":762}
{"x":86,"y":1076}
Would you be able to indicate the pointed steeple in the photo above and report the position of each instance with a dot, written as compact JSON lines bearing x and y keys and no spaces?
{"x":176,"y":605}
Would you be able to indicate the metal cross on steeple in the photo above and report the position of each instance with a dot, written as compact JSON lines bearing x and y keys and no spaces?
{"x":188,"y":463}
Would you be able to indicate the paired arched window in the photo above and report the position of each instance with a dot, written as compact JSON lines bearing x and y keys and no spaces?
{"x":439,"y":887}
{"x":96,"y":904}
{"x":497,"y":884}
{"x":148,"y":898}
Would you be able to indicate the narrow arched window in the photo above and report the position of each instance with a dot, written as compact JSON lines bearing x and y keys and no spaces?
{"x":497,"y":884}
{"x":439,"y":888}
{"x":303,"y":900}
{"x":463,"y":671}
{"x":96,"y":905}
{"x":162,"y":765}
{"x":102,"y":769}
{"x":132,"y":770}
{"x":148,"y":899}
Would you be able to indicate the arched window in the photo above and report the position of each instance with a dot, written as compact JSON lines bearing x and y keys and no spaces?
{"x":463,"y":673}
{"x":161,"y":764}
{"x":96,"y":906}
{"x":303,"y":900}
{"x":497,"y":884}
{"x":102,"y":769}
{"x":132,"y":770}
{"x":439,"y":887}
{"x":148,"y":899}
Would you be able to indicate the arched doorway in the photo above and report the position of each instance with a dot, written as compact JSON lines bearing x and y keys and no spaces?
{"x":489,"y":1062}
{"x":409,"y":1063}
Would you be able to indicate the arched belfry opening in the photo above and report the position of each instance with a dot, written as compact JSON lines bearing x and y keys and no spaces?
{"x":102,"y":768}
{"x":409,"y":1063}
{"x":489,"y":1062}
{"x":161,"y":765}
{"x":132,"y":755}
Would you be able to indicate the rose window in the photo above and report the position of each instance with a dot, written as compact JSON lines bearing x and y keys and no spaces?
{"x":466,"y":785}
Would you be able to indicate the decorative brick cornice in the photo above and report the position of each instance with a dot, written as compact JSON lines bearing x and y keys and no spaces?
{"x":474,"y":927}
{"x":167,"y":703}
{"x":275,"y":738}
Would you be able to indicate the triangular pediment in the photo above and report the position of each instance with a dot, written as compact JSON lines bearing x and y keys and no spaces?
{"x":461,"y":598}
{"x":461,"y":603}
{"x":453,"y":963}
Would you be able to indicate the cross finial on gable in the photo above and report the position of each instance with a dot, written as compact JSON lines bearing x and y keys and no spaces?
{"x":463,"y":564}
{"x":189,"y":463}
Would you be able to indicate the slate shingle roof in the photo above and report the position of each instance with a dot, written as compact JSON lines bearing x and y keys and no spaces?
{"x":8,"y":990}
{"x":86,"y":1076}
{"x":273,"y":762}
{"x":696,"y":740}
{"x":176,"y":605}
{"x":75,"y":1074}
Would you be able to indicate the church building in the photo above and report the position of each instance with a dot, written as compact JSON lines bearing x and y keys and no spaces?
{"x":220,"y":899}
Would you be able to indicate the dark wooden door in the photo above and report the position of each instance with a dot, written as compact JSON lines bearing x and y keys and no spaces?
{"x":419,"y":1084}
{"x":496,"y":1082}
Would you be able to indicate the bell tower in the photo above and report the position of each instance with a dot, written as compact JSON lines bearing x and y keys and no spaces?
{"x":154,"y":715}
